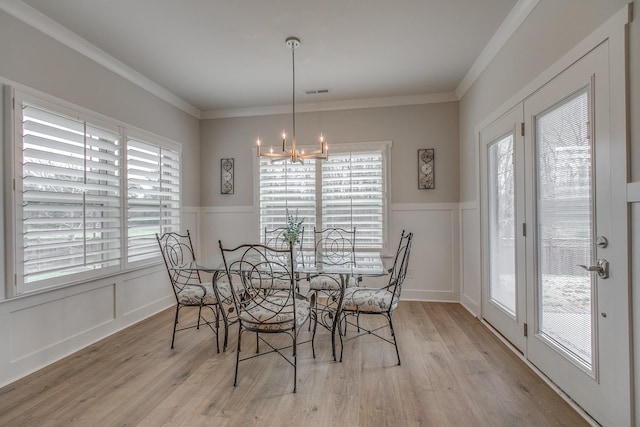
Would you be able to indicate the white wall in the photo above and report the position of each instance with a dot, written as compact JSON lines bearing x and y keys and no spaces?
{"x":432,"y":215}
{"x":38,"y":329}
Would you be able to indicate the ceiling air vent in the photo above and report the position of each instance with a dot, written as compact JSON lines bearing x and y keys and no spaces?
{"x":316,"y":91}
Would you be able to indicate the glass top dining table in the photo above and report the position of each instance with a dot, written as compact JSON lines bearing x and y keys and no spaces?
{"x":307,"y":264}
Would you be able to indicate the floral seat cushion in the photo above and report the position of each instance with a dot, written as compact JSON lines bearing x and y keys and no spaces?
{"x":193,"y":294}
{"x":329,"y":282}
{"x":369,"y":300}
{"x":274,"y":314}
{"x":275,"y":283}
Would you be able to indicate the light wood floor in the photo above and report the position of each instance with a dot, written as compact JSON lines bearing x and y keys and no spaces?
{"x":454,"y":372}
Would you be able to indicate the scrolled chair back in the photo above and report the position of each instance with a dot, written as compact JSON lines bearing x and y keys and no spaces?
{"x":177,"y":249}
{"x":398,"y":271}
{"x":263,"y":281}
{"x":335,"y":245}
{"x":275,"y":238}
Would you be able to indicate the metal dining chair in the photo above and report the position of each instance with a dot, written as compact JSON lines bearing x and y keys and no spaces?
{"x":188,"y":288}
{"x":334,"y":246}
{"x":264,"y":307}
{"x":383,"y":301}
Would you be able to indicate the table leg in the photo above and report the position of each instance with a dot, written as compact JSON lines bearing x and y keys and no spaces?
{"x":344,"y":279}
{"x":214,"y":280}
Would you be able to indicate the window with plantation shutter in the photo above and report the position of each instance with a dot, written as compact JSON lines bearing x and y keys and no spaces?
{"x":68,"y":198}
{"x":287,"y":187}
{"x":346,"y":191}
{"x":89,"y":194}
{"x":153,"y":197}
{"x":353,"y":195}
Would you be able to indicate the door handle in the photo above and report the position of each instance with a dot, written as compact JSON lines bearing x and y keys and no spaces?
{"x":601,"y":267}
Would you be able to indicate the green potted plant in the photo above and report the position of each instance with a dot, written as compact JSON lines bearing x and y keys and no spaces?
{"x":293,"y":230}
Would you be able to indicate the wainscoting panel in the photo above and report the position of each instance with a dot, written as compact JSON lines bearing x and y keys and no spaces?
{"x":51,"y":323}
{"x":142,"y":291}
{"x":433,"y":267}
{"x":470,"y":280}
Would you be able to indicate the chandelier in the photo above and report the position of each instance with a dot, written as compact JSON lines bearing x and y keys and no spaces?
{"x":295,"y":154}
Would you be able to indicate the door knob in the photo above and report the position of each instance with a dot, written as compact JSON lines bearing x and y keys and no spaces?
{"x":601,"y":267}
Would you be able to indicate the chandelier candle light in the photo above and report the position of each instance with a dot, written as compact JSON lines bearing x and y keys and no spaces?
{"x":294,"y":154}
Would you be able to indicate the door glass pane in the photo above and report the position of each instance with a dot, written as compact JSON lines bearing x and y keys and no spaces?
{"x":565,"y":224}
{"x":502,"y":255}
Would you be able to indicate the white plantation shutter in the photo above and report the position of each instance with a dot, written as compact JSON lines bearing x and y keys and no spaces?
{"x":70,"y":198}
{"x":353,"y":195}
{"x":70,"y":203}
{"x":287,"y":187}
{"x":346,"y":191}
{"x":153,"y":197}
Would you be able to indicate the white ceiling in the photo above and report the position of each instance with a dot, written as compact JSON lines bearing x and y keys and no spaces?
{"x":221,"y":55}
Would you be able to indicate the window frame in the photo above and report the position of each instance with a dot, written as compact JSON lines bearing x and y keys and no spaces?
{"x":353,"y":147}
{"x":14,"y":99}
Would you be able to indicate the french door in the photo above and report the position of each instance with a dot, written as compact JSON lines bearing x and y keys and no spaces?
{"x":563,"y":271}
{"x":502,"y":169}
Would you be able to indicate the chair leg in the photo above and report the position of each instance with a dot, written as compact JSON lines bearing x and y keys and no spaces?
{"x":226,"y":330}
{"x":199,"y":314}
{"x":295,"y":361}
{"x":235,"y":378}
{"x":345,"y":326}
{"x":334,"y":328}
{"x":175,"y":325}
{"x":225,"y":320}
{"x":314,"y":305}
{"x":217,"y":328}
{"x":395,"y":340}
{"x":344,"y":319}
{"x":313,"y":336}
{"x":257,"y":343}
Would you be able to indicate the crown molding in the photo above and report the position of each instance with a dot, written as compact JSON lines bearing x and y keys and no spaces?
{"x":393,"y":101}
{"x":509,"y":26}
{"x":46,"y":25}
